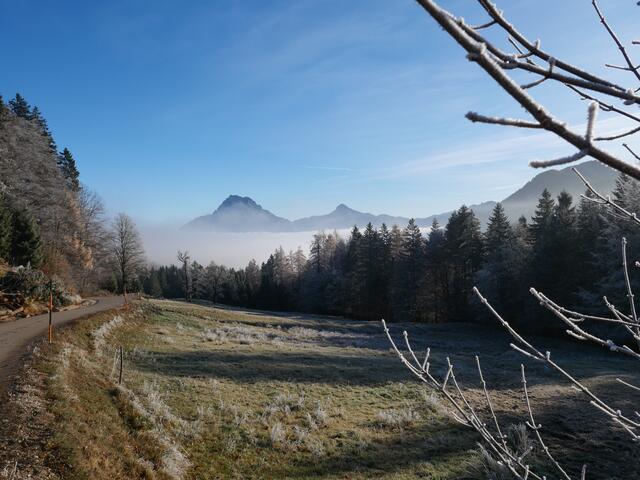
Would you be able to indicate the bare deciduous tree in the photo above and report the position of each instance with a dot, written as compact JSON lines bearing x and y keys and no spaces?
{"x":184,"y":259}
{"x":603,"y":95}
{"x":215,"y":275}
{"x":127,"y":250}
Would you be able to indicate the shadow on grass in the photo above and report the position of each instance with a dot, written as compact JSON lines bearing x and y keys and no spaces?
{"x":276,"y":365}
{"x":437,"y":449}
{"x":434,"y":451}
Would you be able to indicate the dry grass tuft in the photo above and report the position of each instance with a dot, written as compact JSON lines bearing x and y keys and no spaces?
{"x":398,"y":418}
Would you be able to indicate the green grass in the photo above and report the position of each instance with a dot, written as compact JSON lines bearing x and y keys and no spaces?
{"x":223,"y":394}
{"x":214,"y":393}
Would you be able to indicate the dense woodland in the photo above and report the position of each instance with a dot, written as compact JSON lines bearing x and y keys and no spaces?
{"x":51,"y":226}
{"x":571,"y":252}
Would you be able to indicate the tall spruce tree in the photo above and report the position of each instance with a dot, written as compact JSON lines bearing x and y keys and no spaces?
{"x":370,"y":266}
{"x":542,"y":237}
{"x":436,"y":278}
{"x":20,"y":107}
{"x":26,"y":244}
{"x":611,"y":282}
{"x":3,"y":110}
{"x":408,"y":295}
{"x":496,"y":277}
{"x":67,"y":165}
{"x":591,"y":247}
{"x":465,"y":254}
{"x":36,"y":116}
{"x":6,"y":228}
{"x":499,"y":232}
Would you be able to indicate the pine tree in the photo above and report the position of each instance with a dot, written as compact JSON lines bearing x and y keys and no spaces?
{"x":26,"y":244}
{"x":499,"y":232}
{"x":37,"y":117}
{"x":408,"y":299}
{"x":67,"y":166}
{"x":371,"y":270}
{"x":608,"y":264}
{"x":541,"y":223}
{"x":542,"y":239}
{"x":6,"y":228}
{"x":20,"y":107}
{"x":591,"y":247}
{"x":386,"y":269}
{"x":436,"y":279}
{"x":3,"y":110}
{"x":465,"y":254}
{"x":496,"y":279}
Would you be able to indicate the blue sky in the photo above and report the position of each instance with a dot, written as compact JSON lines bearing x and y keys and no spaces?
{"x":171,"y":106}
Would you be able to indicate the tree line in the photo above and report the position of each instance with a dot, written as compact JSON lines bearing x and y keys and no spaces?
{"x":53,"y":227}
{"x":401,"y":274}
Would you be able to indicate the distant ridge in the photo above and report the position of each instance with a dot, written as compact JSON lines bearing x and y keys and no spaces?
{"x":243,"y":214}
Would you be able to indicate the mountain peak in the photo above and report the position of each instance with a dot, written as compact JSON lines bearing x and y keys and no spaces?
{"x":241,"y":214}
{"x":234,"y":200}
{"x":343,"y":208}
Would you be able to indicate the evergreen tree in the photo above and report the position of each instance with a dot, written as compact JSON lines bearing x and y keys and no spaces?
{"x":386,"y":269}
{"x":37,"y":117}
{"x":591,"y":247}
{"x":541,"y":223}
{"x":464,"y":247}
{"x":499,"y":232}
{"x":26,"y":245}
{"x":564,"y":254}
{"x":554,"y":253}
{"x":371,"y":270}
{"x":495,"y":280}
{"x":608,"y":264}
{"x":67,"y":166}
{"x":6,"y":228}
{"x":436,"y":279}
{"x":20,"y":107}
{"x":542,"y":237}
{"x":408,"y":298}
{"x":3,"y":110}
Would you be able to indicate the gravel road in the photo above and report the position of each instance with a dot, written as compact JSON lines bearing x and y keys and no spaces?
{"x":15,"y":336}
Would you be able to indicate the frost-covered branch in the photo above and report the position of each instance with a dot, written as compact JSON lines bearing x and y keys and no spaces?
{"x":630,"y":66}
{"x":526,"y":348}
{"x":463,"y":410}
{"x":498,"y":63}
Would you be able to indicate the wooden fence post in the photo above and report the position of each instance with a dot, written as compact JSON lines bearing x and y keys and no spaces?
{"x":121,"y":359}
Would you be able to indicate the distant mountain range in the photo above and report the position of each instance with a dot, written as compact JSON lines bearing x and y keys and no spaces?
{"x":242,"y":214}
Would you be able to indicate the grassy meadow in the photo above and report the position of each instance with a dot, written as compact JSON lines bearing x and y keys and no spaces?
{"x":218,"y":393}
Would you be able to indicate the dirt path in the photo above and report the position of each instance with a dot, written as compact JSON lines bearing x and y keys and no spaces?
{"x":17,"y":335}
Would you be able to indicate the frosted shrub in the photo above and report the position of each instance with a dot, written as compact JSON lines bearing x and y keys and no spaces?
{"x":397,"y":418}
{"x":100,"y":335}
{"x":277,"y":434}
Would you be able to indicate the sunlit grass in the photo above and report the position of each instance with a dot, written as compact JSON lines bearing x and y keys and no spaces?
{"x":261,"y":397}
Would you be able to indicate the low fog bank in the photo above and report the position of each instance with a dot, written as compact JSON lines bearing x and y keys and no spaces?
{"x":231,"y":249}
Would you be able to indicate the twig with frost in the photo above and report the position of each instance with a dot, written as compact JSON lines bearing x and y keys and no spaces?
{"x":498,"y":63}
{"x":591,"y":125}
{"x":614,"y":37}
{"x":637,"y":157}
{"x":463,"y":411}
{"x":536,"y":427}
{"x":530,"y":351}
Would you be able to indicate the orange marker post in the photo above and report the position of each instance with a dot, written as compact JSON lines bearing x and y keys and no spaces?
{"x":50,"y":311}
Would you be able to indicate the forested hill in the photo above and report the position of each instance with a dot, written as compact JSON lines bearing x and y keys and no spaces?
{"x":48,"y":220}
